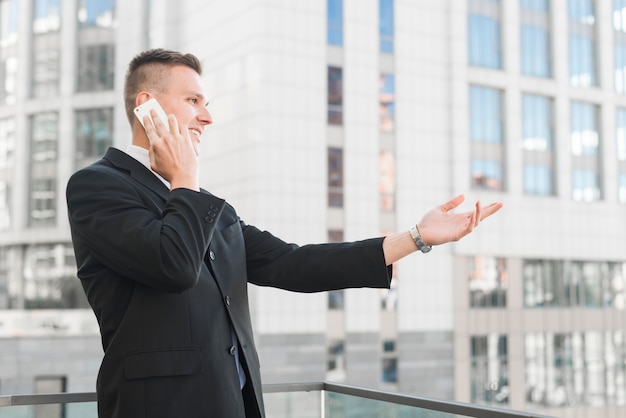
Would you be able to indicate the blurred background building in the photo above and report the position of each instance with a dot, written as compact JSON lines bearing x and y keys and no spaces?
{"x":340,"y":120}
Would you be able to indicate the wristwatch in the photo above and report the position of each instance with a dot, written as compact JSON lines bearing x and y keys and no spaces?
{"x":415,"y":234}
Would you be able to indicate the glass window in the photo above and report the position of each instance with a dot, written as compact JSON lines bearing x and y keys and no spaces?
{"x":585,"y":152}
{"x":94,"y":134}
{"x":535,"y":38}
{"x":537,"y":145}
{"x":43,"y":169}
{"x":488,"y":282}
{"x":387,"y":181}
{"x":543,"y":283}
{"x":46,"y":48}
{"x":335,"y":22}
{"x":619,"y":36}
{"x":582,"y":54}
{"x":335,"y":95}
{"x":50,"y":278}
{"x":574,"y":369}
{"x":489,"y":370}
{"x":484,"y":45}
{"x":335,"y":177}
{"x":96,"y":45}
{"x":100,"y":13}
{"x":387,"y":100}
{"x":486,"y":142}
{"x":336,"y":365}
{"x":386,"y":25}
{"x":8,"y":51}
{"x":620,"y":138}
{"x":7,"y":167}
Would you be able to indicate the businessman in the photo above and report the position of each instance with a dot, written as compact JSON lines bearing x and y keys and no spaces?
{"x":165,"y":264}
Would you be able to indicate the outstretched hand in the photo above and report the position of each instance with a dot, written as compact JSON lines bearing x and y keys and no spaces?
{"x":439,"y":226}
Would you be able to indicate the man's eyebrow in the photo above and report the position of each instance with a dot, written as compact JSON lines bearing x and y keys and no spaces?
{"x":200,"y":97}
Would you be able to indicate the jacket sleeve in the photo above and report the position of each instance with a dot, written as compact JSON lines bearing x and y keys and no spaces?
{"x":125,"y":227}
{"x":315,"y":267}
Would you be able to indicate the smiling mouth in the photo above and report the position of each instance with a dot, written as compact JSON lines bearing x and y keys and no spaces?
{"x":195,"y":132}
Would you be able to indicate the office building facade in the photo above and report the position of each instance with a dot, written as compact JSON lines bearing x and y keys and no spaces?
{"x":340,"y":120}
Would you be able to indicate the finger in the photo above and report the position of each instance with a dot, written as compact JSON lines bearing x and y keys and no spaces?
{"x":452,"y":203}
{"x":490,"y":210}
{"x":478,"y":214}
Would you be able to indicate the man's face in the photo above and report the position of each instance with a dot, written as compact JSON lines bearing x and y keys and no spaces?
{"x":184,"y":98}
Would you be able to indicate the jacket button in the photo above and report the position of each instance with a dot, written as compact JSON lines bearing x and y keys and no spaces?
{"x":212,"y":255}
{"x":227,"y":300}
{"x":232,"y":350}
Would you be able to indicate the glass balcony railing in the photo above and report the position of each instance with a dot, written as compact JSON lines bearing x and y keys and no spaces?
{"x":292,"y":400}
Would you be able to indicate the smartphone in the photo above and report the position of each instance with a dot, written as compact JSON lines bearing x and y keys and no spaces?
{"x":144,"y":109}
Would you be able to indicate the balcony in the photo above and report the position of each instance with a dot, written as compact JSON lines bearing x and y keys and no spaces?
{"x":293,"y":400}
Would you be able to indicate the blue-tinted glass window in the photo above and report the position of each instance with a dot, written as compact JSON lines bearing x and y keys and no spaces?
{"x":582,"y":54}
{"x":484,"y":42}
{"x":535,"y":5}
{"x":485,"y":114}
{"x":486,"y":174}
{"x":8,"y":18}
{"x":535,"y":51}
{"x":486,"y":144}
{"x":619,"y":15}
{"x":335,"y":22}
{"x":537,"y":179}
{"x":537,"y":145}
{"x":387,"y":99}
{"x":619,"y":35}
{"x":584,"y":137}
{"x":585,"y":152}
{"x":386,"y":25}
{"x":96,"y":13}
{"x":585,"y":185}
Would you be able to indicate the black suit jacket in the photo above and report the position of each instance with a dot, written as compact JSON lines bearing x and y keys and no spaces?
{"x":166,"y":274}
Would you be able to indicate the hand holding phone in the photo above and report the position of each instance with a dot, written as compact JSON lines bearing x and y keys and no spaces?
{"x":144,"y":109}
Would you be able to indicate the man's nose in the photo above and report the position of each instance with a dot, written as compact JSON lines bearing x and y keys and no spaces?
{"x":205,"y":117}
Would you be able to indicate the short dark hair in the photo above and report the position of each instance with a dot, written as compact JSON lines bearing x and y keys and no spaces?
{"x":147,"y":71}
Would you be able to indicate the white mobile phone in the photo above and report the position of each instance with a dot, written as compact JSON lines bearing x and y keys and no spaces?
{"x":144,"y":109}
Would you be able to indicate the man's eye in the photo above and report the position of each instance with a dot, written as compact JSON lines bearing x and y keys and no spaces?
{"x":193,"y":100}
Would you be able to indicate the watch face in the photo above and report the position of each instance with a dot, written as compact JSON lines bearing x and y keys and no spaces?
{"x":426,"y":248}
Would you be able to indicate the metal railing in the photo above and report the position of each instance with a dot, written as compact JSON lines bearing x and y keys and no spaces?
{"x":342,"y":397}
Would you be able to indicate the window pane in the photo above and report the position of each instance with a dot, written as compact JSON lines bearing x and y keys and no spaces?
{"x":93,"y":134}
{"x":387,"y":100}
{"x":100,"y":13}
{"x":335,"y":177}
{"x":582,"y":55}
{"x":43,"y":168}
{"x":387,"y":182}
{"x":96,"y":45}
{"x":50,"y":278}
{"x":543,"y":283}
{"x":335,"y":95}
{"x":7,"y":167}
{"x":488,"y":282}
{"x":8,"y":51}
{"x":335,"y":22}
{"x":489,"y":370}
{"x":484,"y":41}
{"x":386,"y":25}
{"x":537,"y":145}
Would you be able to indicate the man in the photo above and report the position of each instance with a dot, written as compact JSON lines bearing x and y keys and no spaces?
{"x":165,"y":265}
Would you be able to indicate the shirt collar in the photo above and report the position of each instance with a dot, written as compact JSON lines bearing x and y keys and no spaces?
{"x":141,"y":154}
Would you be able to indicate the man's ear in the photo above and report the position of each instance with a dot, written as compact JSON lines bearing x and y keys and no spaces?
{"x":142,"y":97}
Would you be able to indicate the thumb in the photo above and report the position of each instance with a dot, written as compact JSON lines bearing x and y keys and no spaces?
{"x":452,"y":203}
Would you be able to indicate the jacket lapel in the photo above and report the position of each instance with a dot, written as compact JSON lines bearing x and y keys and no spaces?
{"x":138,"y":171}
